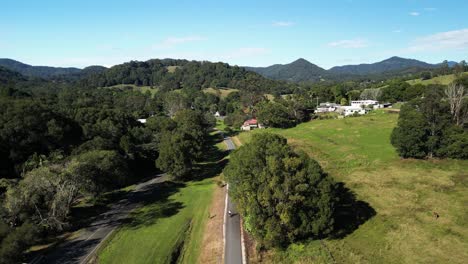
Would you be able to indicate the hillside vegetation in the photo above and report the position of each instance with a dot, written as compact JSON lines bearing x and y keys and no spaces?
{"x":171,"y":74}
{"x":444,"y":80}
{"x":404,"y":195}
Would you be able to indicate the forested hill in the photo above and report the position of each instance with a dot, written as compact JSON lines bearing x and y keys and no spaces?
{"x":170,"y":74}
{"x":302,"y":70}
{"x":388,"y":65}
{"x":37,"y":71}
{"x":9,"y":77}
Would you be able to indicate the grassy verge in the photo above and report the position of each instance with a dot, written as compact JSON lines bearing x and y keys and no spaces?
{"x":170,"y":225}
{"x":403,"y":193}
{"x":156,"y":229}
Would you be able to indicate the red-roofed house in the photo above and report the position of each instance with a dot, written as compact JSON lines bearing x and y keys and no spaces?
{"x":251,"y":124}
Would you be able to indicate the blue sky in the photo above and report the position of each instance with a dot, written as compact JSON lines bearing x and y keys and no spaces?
{"x":254,"y":33}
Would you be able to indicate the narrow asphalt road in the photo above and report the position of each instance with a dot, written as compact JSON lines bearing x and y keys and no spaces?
{"x":80,"y":249}
{"x":233,"y":248}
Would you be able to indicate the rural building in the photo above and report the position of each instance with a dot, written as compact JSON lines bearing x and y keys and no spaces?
{"x":367,"y":103}
{"x":351,"y":110}
{"x":327,"y":107}
{"x":142,"y":120}
{"x":384,"y":105}
{"x":251,"y":124}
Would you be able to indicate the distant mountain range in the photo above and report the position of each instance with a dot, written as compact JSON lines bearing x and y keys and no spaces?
{"x":302,"y":70}
{"x":47,"y":72}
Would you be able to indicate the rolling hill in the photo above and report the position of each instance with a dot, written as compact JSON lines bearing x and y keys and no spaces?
{"x":169,"y":74}
{"x":388,"y":65}
{"x":37,"y":71}
{"x":47,"y":72}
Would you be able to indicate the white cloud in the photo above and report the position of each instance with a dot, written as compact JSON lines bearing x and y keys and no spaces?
{"x":456,"y":39}
{"x":171,"y":42}
{"x":283,"y":23}
{"x":397,"y":31}
{"x":350,"y":43}
{"x":244,"y":53}
{"x":414,"y":13}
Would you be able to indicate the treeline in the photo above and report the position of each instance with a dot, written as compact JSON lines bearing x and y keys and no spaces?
{"x":434,"y":124}
{"x":60,"y":147}
{"x":175,"y":74}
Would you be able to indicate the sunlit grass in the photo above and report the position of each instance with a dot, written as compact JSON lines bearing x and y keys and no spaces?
{"x":444,"y":80}
{"x":404,"y":193}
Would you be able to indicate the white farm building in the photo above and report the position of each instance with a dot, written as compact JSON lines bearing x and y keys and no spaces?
{"x":366,"y":103}
{"x":351,"y":110}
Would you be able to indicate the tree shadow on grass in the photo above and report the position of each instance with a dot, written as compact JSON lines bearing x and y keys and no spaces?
{"x":156,"y":204}
{"x":211,"y":153}
{"x":231,"y":133}
{"x":208,"y":170}
{"x":350,"y":212}
{"x":214,"y":160}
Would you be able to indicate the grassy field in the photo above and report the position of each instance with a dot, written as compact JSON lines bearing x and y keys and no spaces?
{"x":444,"y":79}
{"x":142,"y":89}
{"x":221,"y":92}
{"x":224,"y":92}
{"x":403,"y":194}
{"x":172,"y":69}
{"x":171,"y":223}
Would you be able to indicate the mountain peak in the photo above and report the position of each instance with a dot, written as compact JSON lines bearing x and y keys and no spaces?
{"x":301,"y":60}
{"x":396,"y":58}
{"x":399,"y":59}
{"x":297,"y":71}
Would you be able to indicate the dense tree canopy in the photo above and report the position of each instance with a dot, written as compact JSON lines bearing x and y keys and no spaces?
{"x":68,"y":144}
{"x":182,"y":146}
{"x":274,"y":115}
{"x":283,"y":196}
{"x":427,"y":128}
{"x":186,"y":74}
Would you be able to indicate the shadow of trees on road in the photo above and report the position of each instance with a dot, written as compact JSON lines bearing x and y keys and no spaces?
{"x":82,"y":216}
{"x":350,"y":212}
{"x":71,"y":251}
